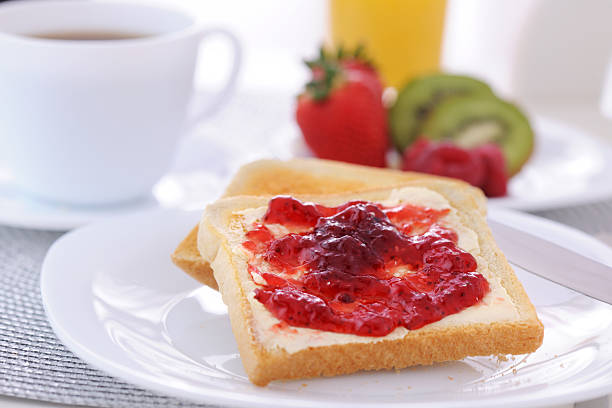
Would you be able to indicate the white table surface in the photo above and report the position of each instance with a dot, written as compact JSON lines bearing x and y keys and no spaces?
{"x":584,"y":115}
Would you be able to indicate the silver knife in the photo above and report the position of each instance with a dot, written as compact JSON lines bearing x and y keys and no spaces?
{"x":554,"y":262}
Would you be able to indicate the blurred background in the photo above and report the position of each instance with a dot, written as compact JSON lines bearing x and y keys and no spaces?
{"x":550,"y":57}
{"x":528,"y":49}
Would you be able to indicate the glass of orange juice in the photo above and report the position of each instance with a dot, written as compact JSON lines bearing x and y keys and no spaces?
{"x":402,"y":37}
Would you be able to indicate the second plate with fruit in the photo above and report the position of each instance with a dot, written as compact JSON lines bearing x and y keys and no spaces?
{"x":449,"y":125}
{"x":568,"y":167}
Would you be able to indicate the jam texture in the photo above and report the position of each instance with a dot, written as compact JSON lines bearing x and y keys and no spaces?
{"x":360,"y":268}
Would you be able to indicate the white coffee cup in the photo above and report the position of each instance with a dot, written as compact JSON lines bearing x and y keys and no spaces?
{"x":98,"y":121}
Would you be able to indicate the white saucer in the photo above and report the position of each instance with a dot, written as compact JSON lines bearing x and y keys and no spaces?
{"x":115,"y":299}
{"x":189,"y":190}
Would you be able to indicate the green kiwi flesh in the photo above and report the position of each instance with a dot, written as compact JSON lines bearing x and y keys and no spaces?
{"x":470,"y":121}
{"x":420,"y":96}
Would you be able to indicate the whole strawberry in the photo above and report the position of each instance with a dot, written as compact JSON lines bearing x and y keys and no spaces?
{"x":358,"y":64}
{"x":341,"y":117}
{"x":354,"y":63}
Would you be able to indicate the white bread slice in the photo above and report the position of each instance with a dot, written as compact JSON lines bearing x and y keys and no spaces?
{"x":267,"y":358}
{"x":301,"y":176}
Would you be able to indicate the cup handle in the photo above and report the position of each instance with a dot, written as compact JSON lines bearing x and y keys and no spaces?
{"x":206,"y":106}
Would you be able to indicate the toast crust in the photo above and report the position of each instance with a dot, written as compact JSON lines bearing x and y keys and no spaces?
{"x":300,"y":177}
{"x":187,"y":257}
{"x":424,"y":346}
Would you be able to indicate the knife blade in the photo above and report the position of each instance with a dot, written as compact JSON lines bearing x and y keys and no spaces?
{"x":554,"y":262}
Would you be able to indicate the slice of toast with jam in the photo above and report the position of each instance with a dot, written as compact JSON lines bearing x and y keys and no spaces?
{"x":331,"y":284}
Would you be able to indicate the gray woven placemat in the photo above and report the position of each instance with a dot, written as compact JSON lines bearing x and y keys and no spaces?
{"x":34,"y":364}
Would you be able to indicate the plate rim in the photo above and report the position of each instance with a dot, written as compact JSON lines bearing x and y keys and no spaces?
{"x":596,"y":195}
{"x":212,"y":396}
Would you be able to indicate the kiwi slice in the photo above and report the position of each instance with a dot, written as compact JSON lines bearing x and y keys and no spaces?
{"x":470,"y":121}
{"x":420,"y":96}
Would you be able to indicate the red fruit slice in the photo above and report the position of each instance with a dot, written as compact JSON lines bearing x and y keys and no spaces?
{"x":445,"y":159}
{"x":496,"y":179}
{"x":415,"y":155}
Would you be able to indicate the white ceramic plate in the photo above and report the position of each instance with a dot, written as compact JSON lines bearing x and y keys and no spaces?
{"x":568,"y":167}
{"x":114,"y":298}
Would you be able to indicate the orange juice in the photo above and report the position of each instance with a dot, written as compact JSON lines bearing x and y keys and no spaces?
{"x":402,"y":37}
